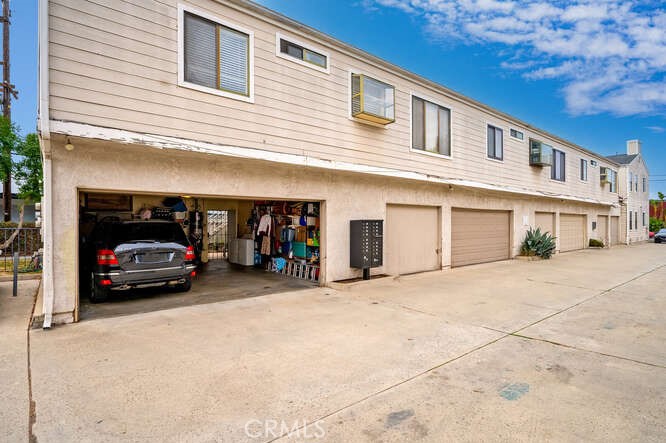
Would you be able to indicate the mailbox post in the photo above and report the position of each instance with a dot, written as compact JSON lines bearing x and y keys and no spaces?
{"x":366,"y":245}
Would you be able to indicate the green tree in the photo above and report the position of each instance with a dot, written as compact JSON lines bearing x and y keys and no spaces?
{"x":9,"y":141}
{"x":656,"y":224}
{"x":661,"y":196}
{"x":28,"y":170}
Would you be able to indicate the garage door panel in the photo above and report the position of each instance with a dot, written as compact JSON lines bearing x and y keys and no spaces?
{"x":572,"y":232}
{"x":479,"y":236}
{"x":615,"y":230}
{"x":412,"y":239}
{"x":602,"y":228}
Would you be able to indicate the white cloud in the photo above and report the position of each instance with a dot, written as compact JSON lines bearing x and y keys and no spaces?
{"x":609,"y":54}
{"x":656,"y":129}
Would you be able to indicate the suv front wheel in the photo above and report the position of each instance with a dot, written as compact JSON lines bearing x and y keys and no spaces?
{"x":97,"y":294}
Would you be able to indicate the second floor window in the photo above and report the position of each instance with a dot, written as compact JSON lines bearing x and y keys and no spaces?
{"x":644,"y":184}
{"x":612,"y":179}
{"x":557,"y":171}
{"x":431,"y":127}
{"x":631,"y":221}
{"x":302,"y":53}
{"x":583,"y":169}
{"x":216,"y":56}
{"x":495,"y":143}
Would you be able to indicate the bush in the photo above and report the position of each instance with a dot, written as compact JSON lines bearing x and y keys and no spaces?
{"x":596,"y":243}
{"x":537,"y":243}
{"x":656,"y":224}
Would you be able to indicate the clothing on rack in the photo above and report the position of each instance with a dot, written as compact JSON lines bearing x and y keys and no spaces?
{"x":266,"y":245}
{"x":265,"y":225}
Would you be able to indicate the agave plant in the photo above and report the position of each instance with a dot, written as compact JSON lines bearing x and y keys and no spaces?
{"x":537,"y":243}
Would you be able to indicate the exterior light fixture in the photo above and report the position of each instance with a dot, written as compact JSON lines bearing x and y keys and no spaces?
{"x":69,"y":145}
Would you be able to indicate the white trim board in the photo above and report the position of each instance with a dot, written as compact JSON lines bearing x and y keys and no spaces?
{"x":182,"y":9}
{"x":166,"y":142}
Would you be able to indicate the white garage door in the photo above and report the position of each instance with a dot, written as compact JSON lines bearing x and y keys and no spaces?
{"x":572,"y":232}
{"x":615,"y":230}
{"x":479,"y":236}
{"x":545,"y":221}
{"x":412,"y":239}
{"x":602,"y":229}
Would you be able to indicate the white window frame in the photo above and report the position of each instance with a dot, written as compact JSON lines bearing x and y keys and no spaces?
{"x":614,"y":175}
{"x":587,"y":170}
{"x":280,"y":36}
{"x":553,"y":165}
{"x":352,"y":71}
{"x":182,"y":9}
{"x":428,"y":98}
{"x":498,"y":126}
{"x":516,"y":138}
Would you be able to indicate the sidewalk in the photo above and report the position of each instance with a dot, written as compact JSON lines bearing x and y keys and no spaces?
{"x":14,"y":390}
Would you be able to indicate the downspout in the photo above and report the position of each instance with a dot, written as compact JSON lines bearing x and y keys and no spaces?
{"x":45,"y":139}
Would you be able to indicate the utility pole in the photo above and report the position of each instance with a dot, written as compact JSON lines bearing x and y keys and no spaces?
{"x":7,"y":91}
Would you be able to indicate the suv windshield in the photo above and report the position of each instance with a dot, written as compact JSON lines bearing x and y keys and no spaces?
{"x":116,"y":233}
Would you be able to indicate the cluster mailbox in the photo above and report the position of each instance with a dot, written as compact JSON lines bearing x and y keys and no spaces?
{"x":366,"y":245}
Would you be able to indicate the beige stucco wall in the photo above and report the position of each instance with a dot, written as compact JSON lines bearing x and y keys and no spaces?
{"x":96,"y":165}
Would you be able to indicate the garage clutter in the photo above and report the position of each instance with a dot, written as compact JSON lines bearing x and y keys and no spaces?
{"x":287,"y":237}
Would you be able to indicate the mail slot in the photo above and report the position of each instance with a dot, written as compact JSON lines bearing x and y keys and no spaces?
{"x":366,"y":244}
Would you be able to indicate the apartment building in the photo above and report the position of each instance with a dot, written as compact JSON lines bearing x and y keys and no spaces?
{"x":634,"y":192}
{"x":231,"y":107}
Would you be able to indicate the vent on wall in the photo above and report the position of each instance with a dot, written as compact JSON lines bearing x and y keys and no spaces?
{"x":372,"y":100}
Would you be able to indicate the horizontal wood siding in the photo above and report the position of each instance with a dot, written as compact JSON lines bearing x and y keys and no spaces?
{"x":114,"y":63}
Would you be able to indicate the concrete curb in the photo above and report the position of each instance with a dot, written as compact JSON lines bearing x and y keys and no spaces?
{"x":21,"y":277}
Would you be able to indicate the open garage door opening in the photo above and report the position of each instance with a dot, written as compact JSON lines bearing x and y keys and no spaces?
{"x":141,"y":252}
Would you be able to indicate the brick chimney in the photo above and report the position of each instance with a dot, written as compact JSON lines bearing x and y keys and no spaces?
{"x":633,"y":147}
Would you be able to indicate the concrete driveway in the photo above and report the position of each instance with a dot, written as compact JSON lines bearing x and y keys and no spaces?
{"x":563,"y":350}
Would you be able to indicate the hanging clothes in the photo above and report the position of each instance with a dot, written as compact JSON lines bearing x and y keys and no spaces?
{"x":265,"y":225}
{"x":266,"y":245}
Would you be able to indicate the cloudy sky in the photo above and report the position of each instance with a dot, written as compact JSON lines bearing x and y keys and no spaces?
{"x":593,"y":72}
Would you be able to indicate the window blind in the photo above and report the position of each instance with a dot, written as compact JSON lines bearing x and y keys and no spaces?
{"x":233,"y":61}
{"x":200,"y":59}
{"x":215,"y":56}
